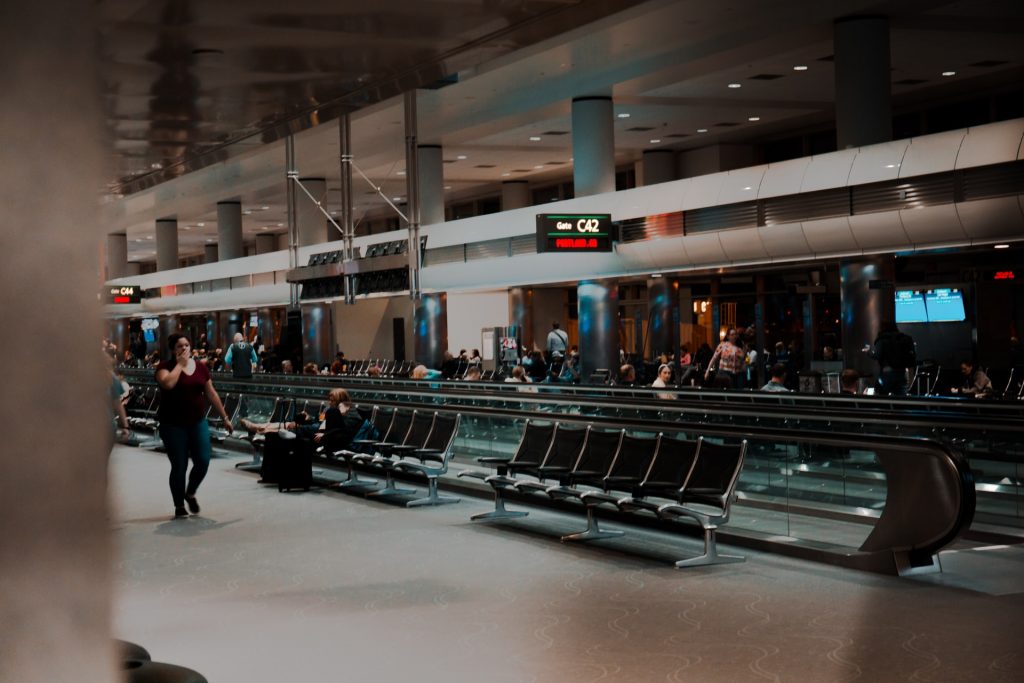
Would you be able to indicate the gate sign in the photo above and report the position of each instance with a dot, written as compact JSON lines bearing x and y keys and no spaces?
{"x":574,"y":232}
{"x":124,"y":294}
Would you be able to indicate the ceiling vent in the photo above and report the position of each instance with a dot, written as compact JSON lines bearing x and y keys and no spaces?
{"x":556,"y":132}
{"x":911,"y":81}
{"x":726,"y":124}
{"x":639,"y":129}
{"x":765,"y":77}
{"x":989,"y":62}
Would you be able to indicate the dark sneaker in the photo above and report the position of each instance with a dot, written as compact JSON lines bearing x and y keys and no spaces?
{"x":180,"y":512}
{"x":193,"y":504}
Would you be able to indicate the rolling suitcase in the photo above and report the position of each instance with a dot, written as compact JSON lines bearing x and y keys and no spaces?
{"x":295,"y":467}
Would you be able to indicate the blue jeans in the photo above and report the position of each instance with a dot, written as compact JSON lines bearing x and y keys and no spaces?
{"x":183,"y":443}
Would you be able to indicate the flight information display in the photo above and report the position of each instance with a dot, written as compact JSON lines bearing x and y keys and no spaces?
{"x":944,"y":305}
{"x":910,"y":307}
{"x":574,"y":232}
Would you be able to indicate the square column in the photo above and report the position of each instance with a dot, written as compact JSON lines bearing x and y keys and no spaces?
{"x":593,"y":145}
{"x":167,"y":244}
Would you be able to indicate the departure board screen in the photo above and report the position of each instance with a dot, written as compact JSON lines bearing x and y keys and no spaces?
{"x":910,"y":307}
{"x":574,"y":232}
{"x":124,"y":294}
{"x":945,"y":305}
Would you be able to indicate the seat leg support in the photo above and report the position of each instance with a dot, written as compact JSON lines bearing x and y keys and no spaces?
{"x":390,"y":489}
{"x":432,"y":497}
{"x":499,"y":511}
{"x":711,"y":555}
{"x":354,"y":482}
{"x":593,"y":531}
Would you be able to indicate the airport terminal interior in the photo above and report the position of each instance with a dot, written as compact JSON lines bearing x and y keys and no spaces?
{"x":679,"y":341}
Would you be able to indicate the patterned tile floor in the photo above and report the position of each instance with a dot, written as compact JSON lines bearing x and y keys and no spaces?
{"x":324,"y":586}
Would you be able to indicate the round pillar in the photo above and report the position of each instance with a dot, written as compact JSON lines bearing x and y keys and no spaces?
{"x":430,"y":329}
{"x":515,"y":194}
{"x":311,"y":222}
{"x":659,"y":166}
{"x":593,"y":146}
{"x":266,"y":244}
{"x":867,"y":295}
{"x":863,"y":90}
{"x":598,"y":327}
{"x":317,"y":334}
{"x":117,"y":256}
{"x":520,"y":314}
{"x":229,"y":231}
{"x":210,"y":253}
{"x":663,"y":313}
{"x":166,"y":244}
{"x":430,"y":167}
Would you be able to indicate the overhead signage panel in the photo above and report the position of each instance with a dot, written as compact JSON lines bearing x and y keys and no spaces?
{"x":124,"y":294}
{"x":574,"y":232}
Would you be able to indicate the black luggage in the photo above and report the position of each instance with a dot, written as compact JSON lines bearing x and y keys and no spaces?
{"x":287,"y":462}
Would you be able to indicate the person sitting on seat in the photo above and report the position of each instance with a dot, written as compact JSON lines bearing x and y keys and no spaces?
{"x":473,"y":373}
{"x":626,"y":376}
{"x":975,"y":383}
{"x":423,"y":372}
{"x":662,"y":381}
{"x":849,"y":382}
{"x":778,"y":380}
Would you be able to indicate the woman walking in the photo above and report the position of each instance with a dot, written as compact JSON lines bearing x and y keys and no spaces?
{"x":185,"y":387}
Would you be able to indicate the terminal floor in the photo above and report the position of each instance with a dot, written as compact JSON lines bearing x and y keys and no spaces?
{"x":324,"y":586}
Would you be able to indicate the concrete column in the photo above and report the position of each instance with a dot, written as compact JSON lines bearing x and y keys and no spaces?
{"x":212,"y":331}
{"x":228,"y":324}
{"x":169,"y":324}
{"x":760,"y":304}
{"x":210,"y":253}
{"x":132,"y":268}
{"x":663,"y":315}
{"x":268,"y":329}
{"x":229,"y":231}
{"x":593,"y":146}
{"x":430,"y":329}
{"x":598,"y":327}
{"x":317,"y":334}
{"x":117,"y":256}
{"x":659,"y":166}
{"x":118,"y":333}
{"x":520,"y":314}
{"x":863,"y":90}
{"x":867,"y":292}
{"x":312,"y":224}
{"x":166,"y":244}
{"x":266,"y":244}
{"x":515,"y":194}
{"x":56,"y":554}
{"x":431,"y":177}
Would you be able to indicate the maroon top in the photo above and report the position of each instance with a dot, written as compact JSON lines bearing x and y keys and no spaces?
{"x":185,"y":404}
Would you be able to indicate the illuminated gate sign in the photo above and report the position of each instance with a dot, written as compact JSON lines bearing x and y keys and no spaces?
{"x":124,"y":294}
{"x":574,"y":232}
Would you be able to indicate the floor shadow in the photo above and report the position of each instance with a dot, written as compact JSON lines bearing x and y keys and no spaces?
{"x":191,"y":526}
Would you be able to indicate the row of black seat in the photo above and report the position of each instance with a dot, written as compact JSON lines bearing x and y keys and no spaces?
{"x":673,"y":479}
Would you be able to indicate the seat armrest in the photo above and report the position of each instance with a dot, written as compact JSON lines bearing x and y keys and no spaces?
{"x":493,"y":460}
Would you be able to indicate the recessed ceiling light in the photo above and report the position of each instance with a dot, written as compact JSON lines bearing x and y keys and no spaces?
{"x":949,"y":73}
{"x":200,"y":225}
{"x":247,"y":212}
{"x":505,"y":175}
{"x":1002,"y":246}
{"x":534,"y":138}
{"x":890,"y":165}
{"x":187,"y":227}
{"x":800,"y":67}
{"x":753,"y":118}
{"x":209,"y":239}
{"x":264,"y":228}
{"x":396,"y":199}
{"x":655,"y":141}
{"x":156,"y":165}
{"x":264,"y":208}
{"x":623,"y":115}
{"x":735,"y":85}
{"x":747,"y":188}
{"x":401,"y":173}
{"x":461,"y":157}
{"x":539,"y":166}
{"x":280,"y":225}
{"x":702,"y":130}
{"x":447,"y":187}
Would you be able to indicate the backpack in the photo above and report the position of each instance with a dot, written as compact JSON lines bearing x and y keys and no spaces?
{"x":904,"y":352}
{"x":366,"y":432}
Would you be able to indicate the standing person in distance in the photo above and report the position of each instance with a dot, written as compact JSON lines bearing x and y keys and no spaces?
{"x":185,"y":387}
{"x":895,"y":353}
{"x":557,"y":342}
{"x":730,"y":360}
{"x":241,"y":358}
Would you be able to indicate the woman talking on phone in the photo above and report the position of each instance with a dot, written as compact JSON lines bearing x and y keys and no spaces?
{"x":185,"y":386}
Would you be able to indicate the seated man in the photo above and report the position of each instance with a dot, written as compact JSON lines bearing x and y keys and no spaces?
{"x":626,"y":376}
{"x":975,"y":382}
{"x":778,"y":380}
{"x":849,"y":382}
